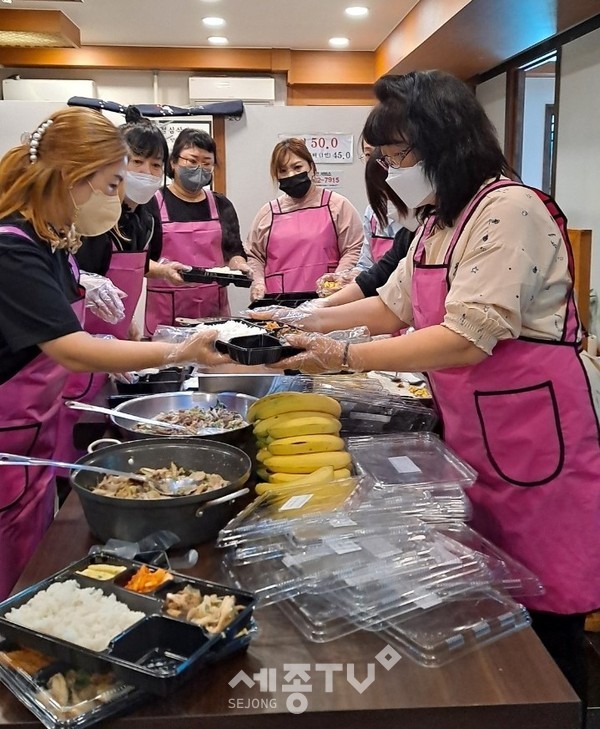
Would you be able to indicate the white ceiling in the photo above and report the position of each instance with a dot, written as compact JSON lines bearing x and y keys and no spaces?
{"x":295,"y":24}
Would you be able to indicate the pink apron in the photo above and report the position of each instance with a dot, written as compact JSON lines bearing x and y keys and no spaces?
{"x":302,"y":245}
{"x":195,"y":244}
{"x":380,"y":244}
{"x":30,"y":404}
{"x":126,"y":271}
{"x":525,"y":420}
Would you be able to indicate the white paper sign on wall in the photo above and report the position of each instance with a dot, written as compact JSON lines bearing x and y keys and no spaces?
{"x":331,"y":148}
{"x":328,"y":178}
{"x":172,"y":126}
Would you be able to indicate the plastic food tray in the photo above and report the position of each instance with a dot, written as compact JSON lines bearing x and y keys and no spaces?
{"x":449,"y":630}
{"x":202,"y":275}
{"x":167,"y":380}
{"x":256,"y":349}
{"x":31,"y":689}
{"x":157,"y":653}
{"x":411,"y":459}
{"x":291,"y":300}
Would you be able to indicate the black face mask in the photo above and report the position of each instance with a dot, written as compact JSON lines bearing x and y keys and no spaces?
{"x":296,"y":185}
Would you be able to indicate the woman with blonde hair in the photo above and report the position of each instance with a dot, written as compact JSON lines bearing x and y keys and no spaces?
{"x":63,"y":182}
{"x":305,"y":233}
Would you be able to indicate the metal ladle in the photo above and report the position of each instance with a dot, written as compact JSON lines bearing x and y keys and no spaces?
{"x":86,"y":407}
{"x":167,"y":486}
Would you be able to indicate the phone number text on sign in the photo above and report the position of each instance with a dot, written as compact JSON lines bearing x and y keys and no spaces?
{"x":335,"y":148}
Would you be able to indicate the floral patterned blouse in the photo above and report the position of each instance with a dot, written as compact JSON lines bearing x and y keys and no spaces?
{"x":508,"y":275}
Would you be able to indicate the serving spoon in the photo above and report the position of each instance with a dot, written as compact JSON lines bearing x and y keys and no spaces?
{"x":86,"y":407}
{"x":167,"y":486}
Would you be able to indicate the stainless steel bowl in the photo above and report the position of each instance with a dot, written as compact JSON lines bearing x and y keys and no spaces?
{"x":149,"y":406}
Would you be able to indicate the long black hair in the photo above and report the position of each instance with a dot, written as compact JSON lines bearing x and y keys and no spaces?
{"x":378,"y":191}
{"x":438,"y":116}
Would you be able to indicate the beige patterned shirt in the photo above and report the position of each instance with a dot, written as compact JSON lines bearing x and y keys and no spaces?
{"x":508,"y":274}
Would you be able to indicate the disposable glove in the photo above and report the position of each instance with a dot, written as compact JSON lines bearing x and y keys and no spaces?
{"x":102,"y":297}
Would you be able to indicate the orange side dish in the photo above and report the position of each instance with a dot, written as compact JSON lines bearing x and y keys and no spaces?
{"x":147,"y":580}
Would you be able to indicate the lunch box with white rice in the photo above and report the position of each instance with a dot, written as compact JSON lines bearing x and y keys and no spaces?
{"x":153,"y":640}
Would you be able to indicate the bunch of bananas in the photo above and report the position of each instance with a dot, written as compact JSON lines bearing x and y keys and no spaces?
{"x":298,"y":438}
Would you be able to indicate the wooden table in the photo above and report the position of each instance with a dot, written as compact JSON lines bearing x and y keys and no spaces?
{"x":511,"y":683}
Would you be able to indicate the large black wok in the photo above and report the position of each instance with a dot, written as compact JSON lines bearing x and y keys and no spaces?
{"x":194,"y":519}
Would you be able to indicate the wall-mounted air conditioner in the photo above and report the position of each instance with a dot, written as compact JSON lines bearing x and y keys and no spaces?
{"x":250,"y":89}
{"x":46,"y":89}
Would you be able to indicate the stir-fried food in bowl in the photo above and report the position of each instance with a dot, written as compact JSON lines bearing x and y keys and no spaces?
{"x":196,"y":420}
{"x":121,"y":487}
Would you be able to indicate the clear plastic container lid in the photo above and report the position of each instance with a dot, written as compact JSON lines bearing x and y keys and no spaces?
{"x":413,"y":459}
{"x":507,"y":574}
{"x":61,"y":696}
{"x":316,"y":619}
{"x":275,"y":512}
{"x":446,"y":631}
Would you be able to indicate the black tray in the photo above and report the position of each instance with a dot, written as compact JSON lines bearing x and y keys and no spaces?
{"x":256,"y":349}
{"x":167,"y":380}
{"x":156,"y":654}
{"x":201,"y":275}
{"x":291,"y":300}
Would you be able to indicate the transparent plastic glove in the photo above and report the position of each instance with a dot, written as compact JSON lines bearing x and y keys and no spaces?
{"x":322,"y":354}
{"x":170,"y":271}
{"x":239,"y":263}
{"x":102,"y":297}
{"x":197,"y":349}
{"x":257,"y":291}
{"x":329,"y":283}
{"x":126,"y":378}
{"x":283,"y":314}
{"x":173,"y":335}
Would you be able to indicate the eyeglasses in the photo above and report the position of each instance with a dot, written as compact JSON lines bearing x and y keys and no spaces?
{"x":395,"y":160}
{"x":192,"y":163}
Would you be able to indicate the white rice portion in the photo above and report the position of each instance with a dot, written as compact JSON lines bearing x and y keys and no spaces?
{"x":230,"y":329}
{"x":81,"y":615}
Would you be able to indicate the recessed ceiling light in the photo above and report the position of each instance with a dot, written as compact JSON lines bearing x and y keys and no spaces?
{"x":8,"y":2}
{"x":213,"y":22}
{"x":218,"y":40}
{"x":357,"y":11}
{"x":339,"y":42}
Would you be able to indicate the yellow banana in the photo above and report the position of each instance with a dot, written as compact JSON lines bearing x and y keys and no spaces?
{"x":313,"y":424}
{"x":287,"y":402}
{"x":306,"y":444}
{"x":262,"y":454}
{"x":262,"y":473}
{"x":307,"y":462}
{"x":262,"y":427}
{"x":322,"y":475}
{"x":285,"y":478}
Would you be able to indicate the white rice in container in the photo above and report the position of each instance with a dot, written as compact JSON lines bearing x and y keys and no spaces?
{"x":81,"y":615}
{"x":230,"y":329}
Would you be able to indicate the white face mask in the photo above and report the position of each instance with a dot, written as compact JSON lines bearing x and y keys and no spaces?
{"x":410,"y":184}
{"x":408,"y":221}
{"x":140,"y":186}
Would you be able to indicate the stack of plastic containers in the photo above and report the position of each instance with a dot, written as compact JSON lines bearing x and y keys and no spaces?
{"x":386,"y":551}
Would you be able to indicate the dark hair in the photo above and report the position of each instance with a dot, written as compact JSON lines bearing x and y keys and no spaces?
{"x":282,"y":151}
{"x":191,"y":138}
{"x":440,"y":118}
{"x":143,"y":137}
{"x":378,"y":191}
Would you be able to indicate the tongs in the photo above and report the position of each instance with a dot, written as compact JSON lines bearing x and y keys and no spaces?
{"x":86,"y":407}
{"x":167,"y":486}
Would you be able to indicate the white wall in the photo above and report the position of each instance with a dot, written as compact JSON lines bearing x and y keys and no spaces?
{"x":578,"y":148}
{"x":492,"y":96}
{"x":538,"y":93}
